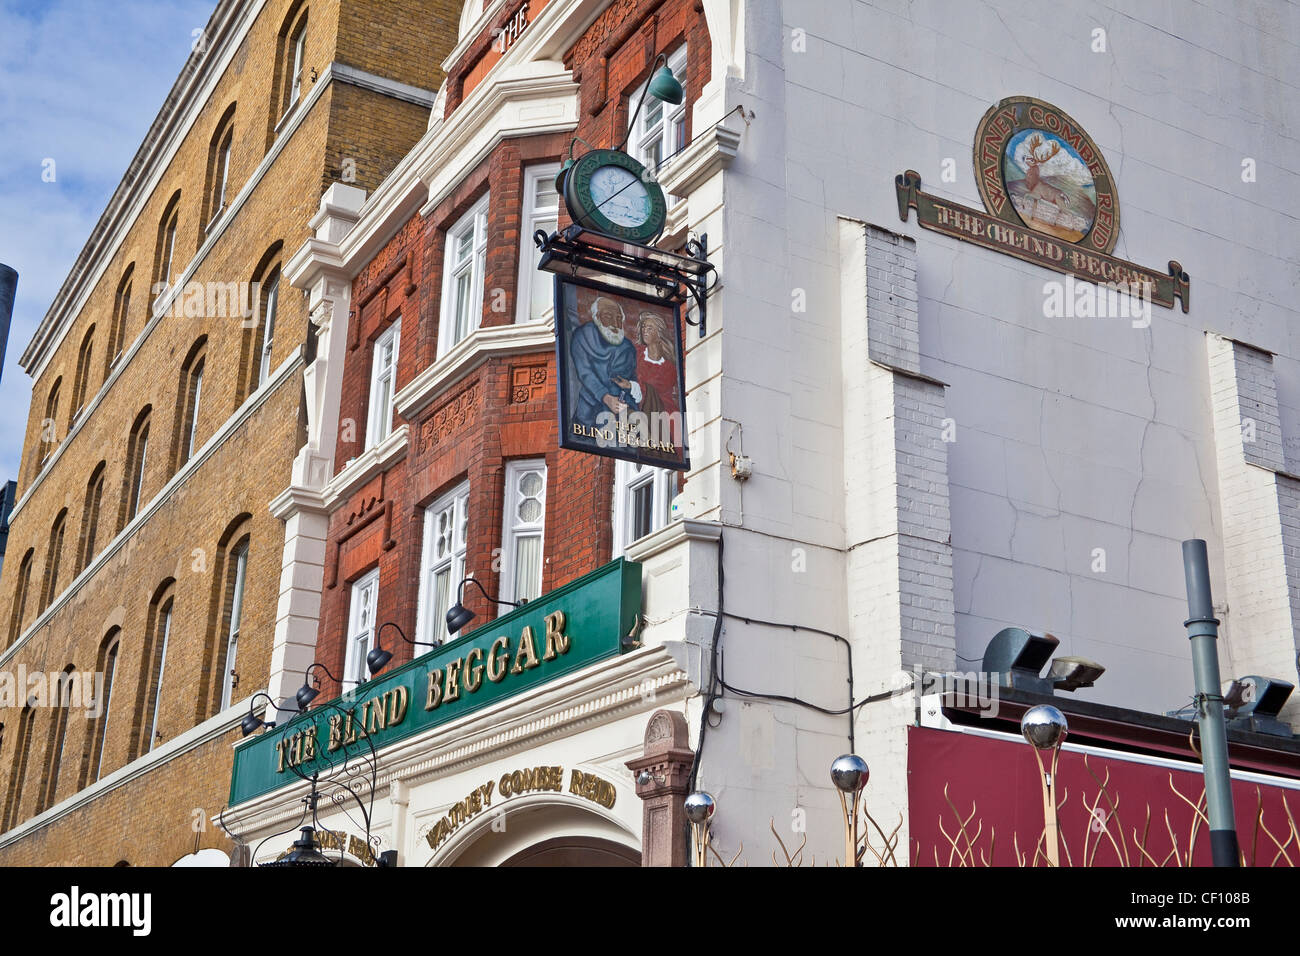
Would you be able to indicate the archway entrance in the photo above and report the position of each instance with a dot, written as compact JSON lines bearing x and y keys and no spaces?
{"x":575,"y":851}
{"x":545,"y":830}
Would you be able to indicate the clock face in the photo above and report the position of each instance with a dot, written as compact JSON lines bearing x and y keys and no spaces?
{"x":620,"y":196}
{"x":608,"y":191}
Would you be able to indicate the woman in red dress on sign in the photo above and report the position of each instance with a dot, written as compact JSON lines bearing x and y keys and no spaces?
{"x":656,"y":371}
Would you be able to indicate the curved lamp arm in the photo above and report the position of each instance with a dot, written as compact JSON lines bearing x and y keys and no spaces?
{"x":460,"y":594}
{"x":660,"y":60}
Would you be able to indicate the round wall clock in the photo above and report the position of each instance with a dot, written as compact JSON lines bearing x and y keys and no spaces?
{"x":608,"y":191}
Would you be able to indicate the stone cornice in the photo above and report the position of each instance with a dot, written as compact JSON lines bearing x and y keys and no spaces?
{"x":709,"y":153}
{"x":365,"y":466}
{"x":495,"y":111}
{"x":472,"y":351}
{"x":296,"y":498}
{"x":671,"y":535}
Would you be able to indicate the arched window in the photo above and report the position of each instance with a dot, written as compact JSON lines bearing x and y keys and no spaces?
{"x":235,"y":567}
{"x":165,"y":257}
{"x":50,"y":423}
{"x":217,"y":194}
{"x":90,"y":517}
{"x":225,"y":619}
{"x":92,"y":767}
{"x":18,"y":774}
{"x":187,"y":403}
{"x":82,"y":380}
{"x":19,"y":610}
{"x":50,"y":585}
{"x":258,"y":352}
{"x":121,"y":316}
{"x":153,"y":669}
{"x":291,"y":58}
{"x":58,"y":734}
{"x":137,"y":453}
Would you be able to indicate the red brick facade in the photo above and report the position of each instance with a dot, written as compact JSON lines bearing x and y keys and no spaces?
{"x":505,"y":407}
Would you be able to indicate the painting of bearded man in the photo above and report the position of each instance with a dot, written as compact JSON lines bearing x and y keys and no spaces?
{"x":604,"y":361}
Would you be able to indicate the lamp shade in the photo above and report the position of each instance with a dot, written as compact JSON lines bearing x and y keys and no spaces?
{"x":457,"y":617}
{"x":306,"y":694}
{"x":377,"y":659}
{"x":664,"y":86}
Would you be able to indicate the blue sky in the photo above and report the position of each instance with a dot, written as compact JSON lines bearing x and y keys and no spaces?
{"x":80,"y":82}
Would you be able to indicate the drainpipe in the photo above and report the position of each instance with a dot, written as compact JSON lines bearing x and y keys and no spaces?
{"x":1203,"y":631}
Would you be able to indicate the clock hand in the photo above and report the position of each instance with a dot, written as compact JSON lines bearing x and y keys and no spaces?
{"x":612,"y":195}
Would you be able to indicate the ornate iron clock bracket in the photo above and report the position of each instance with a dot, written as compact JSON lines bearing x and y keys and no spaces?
{"x":673,"y":278}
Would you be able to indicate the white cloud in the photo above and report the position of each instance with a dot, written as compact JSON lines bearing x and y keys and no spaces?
{"x":80,"y":83}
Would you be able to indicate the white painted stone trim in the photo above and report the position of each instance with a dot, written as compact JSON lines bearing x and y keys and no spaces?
{"x":365,"y":466}
{"x":469,"y":353}
{"x":178,"y":746}
{"x":707,"y":155}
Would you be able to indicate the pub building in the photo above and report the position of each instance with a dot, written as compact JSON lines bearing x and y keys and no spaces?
{"x":973,"y":334}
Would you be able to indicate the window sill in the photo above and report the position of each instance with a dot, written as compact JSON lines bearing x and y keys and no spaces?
{"x":216,"y":219}
{"x":288,"y":114}
{"x":365,"y":466}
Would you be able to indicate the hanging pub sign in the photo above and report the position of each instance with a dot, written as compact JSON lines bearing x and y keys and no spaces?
{"x":1049,"y":198}
{"x":621,"y":388}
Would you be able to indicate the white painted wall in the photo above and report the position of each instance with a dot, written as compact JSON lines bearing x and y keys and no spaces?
{"x":1071,"y":434}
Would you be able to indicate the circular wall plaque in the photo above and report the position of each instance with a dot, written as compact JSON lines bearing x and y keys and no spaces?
{"x":1036,"y":167}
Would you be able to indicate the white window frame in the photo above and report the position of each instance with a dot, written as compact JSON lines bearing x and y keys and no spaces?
{"x":533,"y":218}
{"x":165,"y":621}
{"x":475,"y":223}
{"x":643,"y":139}
{"x":513,"y":528}
{"x":194,"y":413}
{"x":299,"y":42}
{"x":360,"y":637}
{"x":227,"y":143}
{"x":431,"y":619}
{"x":110,"y":675}
{"x":380,"y":424}
{"x":169,"y":237}
{"x":268,"y":331}
{"x":139,"y":476}
{"x":232,"y":633}
{"x":627,"y":480}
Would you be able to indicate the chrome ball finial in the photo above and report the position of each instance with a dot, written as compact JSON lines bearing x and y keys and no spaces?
{"x":1044,"y":727}
{"x":699,"y":807}
{"x":850,"y":773}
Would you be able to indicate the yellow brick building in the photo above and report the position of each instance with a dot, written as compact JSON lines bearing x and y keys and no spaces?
{"x":167,"y":407}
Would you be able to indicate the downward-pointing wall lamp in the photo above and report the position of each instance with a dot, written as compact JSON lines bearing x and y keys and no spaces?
{"x":662,"y":86}
{"x":251,"y":722}
{"x":307,"y":693}
{"x":378,"y":657}
{"x":458,"y":615}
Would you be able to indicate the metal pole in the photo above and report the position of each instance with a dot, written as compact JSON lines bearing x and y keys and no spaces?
{"x":8,"y":289}
{"x":1203,"y":631}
